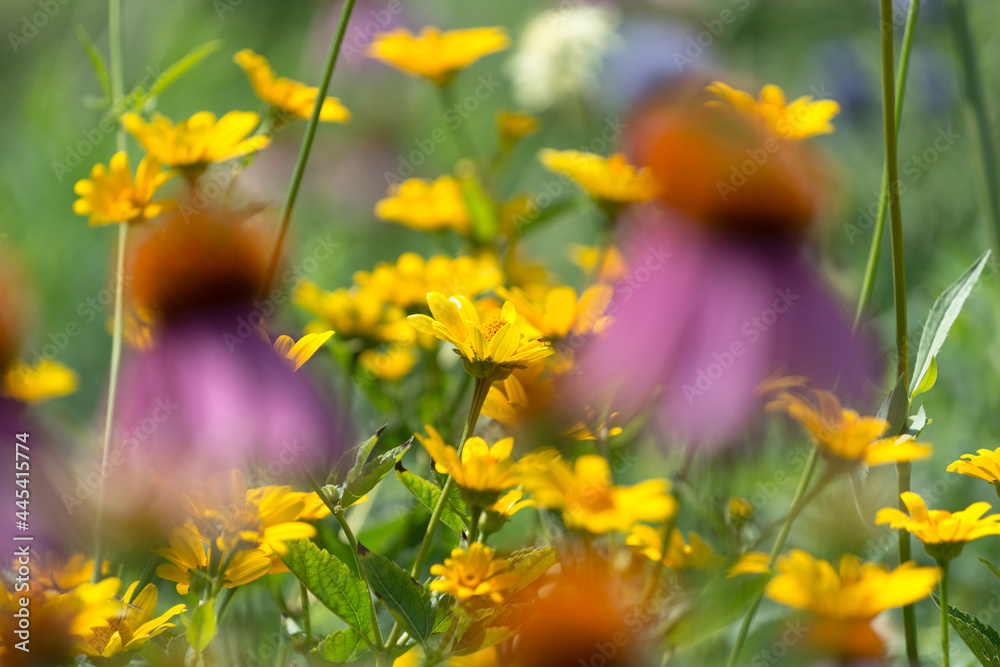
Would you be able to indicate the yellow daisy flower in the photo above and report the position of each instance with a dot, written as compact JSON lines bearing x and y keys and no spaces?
{"x":608,"y":179}
{"x":943,"y":533}
{"x":560,"y":312}
{"x":392,"y":364}
{"x":426,"y":206}
{"x":510,"y":504}
{"x":355,"y":313}
{"x":436,"y":55}
{"x":407,"y":282}
{"x":846,"y":438}
{"x":588,"y":499}
{"x":679,"y":555}
{"x":802,"y":118}
{"x":285,"y":95}
{"x":53,"y":573}
{"x":482,"y":472}
{"x":200,"y":140}
{"x":489,"y":349}
{"x":111,"y":195}
{"x":133,"y":626}
{"x":296,"y":353}
{"x":473,"y":573}
{"x":188,"y":556}
{"x":984,"y":465}
{"x":34,"y":384}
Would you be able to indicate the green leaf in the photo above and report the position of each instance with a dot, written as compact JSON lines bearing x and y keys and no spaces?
{"x":361,"y":454}
{"x":97,"y":60}
{"x":918,"y":422}
{"x":342,"y":646}
{"x":982,"y":640}
{"x":993,"y":568}
{"x":202,"y":628}
{"x":331,"y":582}
{"x":482,"y":210}
{"x":929,"y":378}
{"x":138,"y":97}
{"x":895,"y":408}
{"x":404,"y":597}
{"x":943,"y":314}
{"x":371,"y":474}
{"x":427,"y":493}
{"x":722,"y":602}
{"x":529,"y":564}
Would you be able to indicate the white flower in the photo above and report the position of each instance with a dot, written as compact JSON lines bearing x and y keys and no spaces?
{"x":560,"y":54}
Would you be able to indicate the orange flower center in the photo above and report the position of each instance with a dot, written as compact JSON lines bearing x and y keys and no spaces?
{"x":490,"y":328}
{"x":99,"y":640}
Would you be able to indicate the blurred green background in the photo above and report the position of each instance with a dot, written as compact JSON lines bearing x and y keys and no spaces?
{"x":49,"y":115}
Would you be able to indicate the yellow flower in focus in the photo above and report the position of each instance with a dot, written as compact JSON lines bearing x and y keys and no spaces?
{"x":482,"y":472}
{"x":753,"y":562}
{"x":984,"y":465}
{"x":188,"y":556}
{"x":52,"y":573}
{"x":943,"y":533}
{"x":845,"y":437}
{"x":679,"y":556}
{"x":426,"y":206}
{"x":434,"y":54}
{"x":392,"y":365}
{"x":490,"y":349}
{"x":296,"y":353}
{"x":560,"y":313}
{"x":802,"y":118}
{"x":473,"y":573}
{"x":515,"y":125}
{"x":612,"y":263}
{"x":609,"y":179}
{"x":111,"y":194}
{"x":285,"y":95}
{"x":133,"y":626}
{"x":407,"y":282}
{"x":200,"y":140}
{"x":355,"y":313}
{"x":588,"y":499}
{"x":34,"y":384}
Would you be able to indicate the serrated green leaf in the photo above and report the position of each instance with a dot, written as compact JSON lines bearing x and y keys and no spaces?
{"x":427,"y":493}
{"x":139,"y":96}
{"x":342,"y":646}
{"x":361,"y":453}
{"x":529,"y":564}
{"x":331,"y":582}
{"x":929,"y":378}
{"x":201,"y":631}
{"x":371,"y":474}
{"x":404,"y":597}
{"x":982,"y":640}
{"x":895,"y":408}
{"x":97,"y":60}
{"x":943,"y":314}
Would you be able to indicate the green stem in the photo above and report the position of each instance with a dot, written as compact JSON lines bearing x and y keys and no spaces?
{"x":464,"y":141}
{"x":779,"y":543}
{"x":905,"y":555}
{"x":306,"y":620}
{"x":945,"y":659}
{"x":307,"y":140}
{"x":976,"y":104}
{"x":875,"y":251}
{"x":349,"y":534}
{"x":117,"y":88}
{"x":475,"y":513}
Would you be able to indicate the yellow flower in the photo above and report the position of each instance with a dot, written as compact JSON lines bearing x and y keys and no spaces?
{"x":609,"y":179}
{"x":426,"y":206}
{"x":112,"y":195}
{"x":355,"y":313}
{"x":740,"y":509}
{"x":843,"y":436}
{"x":407,"y":282}
{"x":985,"y":465}
{"x":298,"y":353}
{"x":943,"y":533}
{"x":559,"y":312}
{"x":133,"y":626}
{"x":481,"y":471}
{"x":392,"y":365}
{"x":522,"y":394}
{"x":55,"y":574}
{"x":488,"y":657}
{"x":679,"y":556}
{"x":801,"y":119}
{"x":753,"y":562}
{"x":198,"y":141}
{"x":48,"y":379}
{"x":514,"y":125}
{"x":588,"y":499}
{"x":489,"y":349}
{"x":284,"y":94}
{"x":188,"y":556}
{"x":434,"y":54}
{"x":581,"y":431}
{"x":473,"y":573}
{"x":510,"y":504}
